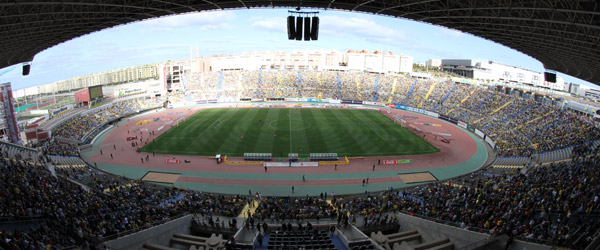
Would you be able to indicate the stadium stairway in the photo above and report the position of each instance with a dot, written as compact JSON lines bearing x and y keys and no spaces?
{"x":410,"y":240}
{"x":410,"y":92}
{"x":511,"y":161}
{"x":562,"y":154}
{"x":128,"y":109}
{"x":430,"y":90}
{"x":142,"y":105}
{"x":556,"y":155}
{"x":501,"y":107}
{"x":247,"y":209}
{"x":535,"y":119}
{"x":478,"y":120}
{"x":107,"y":190}
{"x":483,"y":102}
{"x":112,"y":113}
{"x":467,"y":97}
{"x":445,"y":97}
{"x":189,"y":241}
{"x":334,"y":207}
{"x":337,"y":242}
{"x":172,"y":200}
{"x":517,"y":113}
{"x":393,"y":90}
{"x":507,"y":167}
{"x":389,"y":240}
{"x":266,"y":239}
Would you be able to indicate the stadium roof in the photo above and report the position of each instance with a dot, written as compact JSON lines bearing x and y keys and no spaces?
{"x":562,"y":34}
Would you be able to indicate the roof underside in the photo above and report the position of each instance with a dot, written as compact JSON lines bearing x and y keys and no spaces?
{"x":562,"y":34}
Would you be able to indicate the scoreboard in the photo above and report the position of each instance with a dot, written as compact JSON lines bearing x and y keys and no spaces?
{"x":95,"y":92}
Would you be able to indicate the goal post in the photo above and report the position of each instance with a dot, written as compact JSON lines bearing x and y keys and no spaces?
{"x":400,"y":121}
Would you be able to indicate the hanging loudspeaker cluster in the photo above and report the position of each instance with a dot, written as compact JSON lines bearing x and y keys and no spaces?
{"x":26,"y":68}
{"x":314,"y":32}
{"x":291,"y":25}
{"x":307,"y":27}
{"x":299,"y":28}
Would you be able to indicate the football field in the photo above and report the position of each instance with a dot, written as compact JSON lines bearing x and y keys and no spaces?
{"x":234,"y":132}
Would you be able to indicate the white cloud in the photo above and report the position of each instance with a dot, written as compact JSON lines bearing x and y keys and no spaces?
{"x":339,"y":26}
{"x":273,"y":24}
{"x":361,"y":27}
{"x":451,"y":32}
{"x":199,"y":21}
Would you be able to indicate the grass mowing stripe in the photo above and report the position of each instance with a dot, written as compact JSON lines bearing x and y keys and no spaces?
{"x":300,"y":127}
{"x":345,"y":141}
{"x":385,"y":130}
{"x":246,"y":127}
{"x":337,"y":141}
{"x":410,"y":142}
{"x":268,"y":131}
{"x":360,"y":132}
{"x":281,"y":126}
{"x":381,"y":125}
{"x":290,"y":119}
{"x":212,"y":129}
{"x":368,"y":135}
{"x":169,"y":146}
{"x":228,"y":136}
{"x":313,"y":134}
{"x":264,"y":132}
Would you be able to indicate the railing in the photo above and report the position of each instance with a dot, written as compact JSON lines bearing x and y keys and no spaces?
{"x":21,"y":219}
{"x":121,"y":234}
{"x":478,"y":244}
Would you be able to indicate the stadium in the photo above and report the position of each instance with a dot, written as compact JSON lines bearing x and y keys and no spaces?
{"x":289,"y":158}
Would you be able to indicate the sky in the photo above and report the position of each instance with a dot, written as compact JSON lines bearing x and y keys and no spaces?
{"x":239,"y":31}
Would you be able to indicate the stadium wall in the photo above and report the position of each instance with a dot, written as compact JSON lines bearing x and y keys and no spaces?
{"x":160,"y":235}
{"x":431,"y":231}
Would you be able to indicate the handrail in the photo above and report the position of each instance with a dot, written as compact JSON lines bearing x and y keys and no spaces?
{"x":478,"y":244}
{"x":121,"y":234}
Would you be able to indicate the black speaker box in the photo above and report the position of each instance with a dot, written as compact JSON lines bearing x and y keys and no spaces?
{"x":291,"y":27}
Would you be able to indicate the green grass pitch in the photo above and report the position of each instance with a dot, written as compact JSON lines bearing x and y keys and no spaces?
{"x":234,"y":132}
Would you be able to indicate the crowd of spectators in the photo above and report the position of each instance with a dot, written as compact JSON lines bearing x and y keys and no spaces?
{"x":519,"y":124}
{"x":20,"y":153}
{"x":66,"y":214}
{"x":555,"y":204}
{"x":78,"y":127}
{"x":293,"y":208}
{"x":53,"y":147}
{"x":62,"y":213}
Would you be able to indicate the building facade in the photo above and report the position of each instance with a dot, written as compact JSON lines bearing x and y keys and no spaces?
{"x":377,"y":61}
{"x":433,"y":63}
{"x":9,"y":129}
{"x":171,"y":73}
{"x":124,"y":75}
{"x":487,"y":70}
